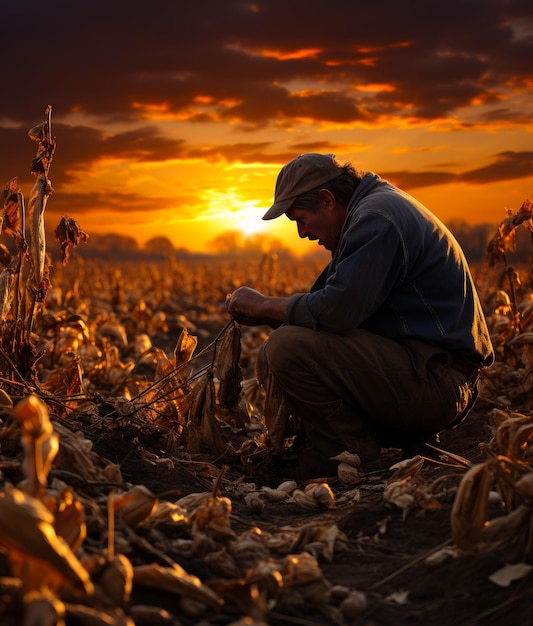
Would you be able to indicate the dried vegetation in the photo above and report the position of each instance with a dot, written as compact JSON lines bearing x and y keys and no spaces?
{"x":133,"y":434}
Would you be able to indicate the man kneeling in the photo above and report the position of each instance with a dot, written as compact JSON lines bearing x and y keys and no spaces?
{"x":387,"y":346}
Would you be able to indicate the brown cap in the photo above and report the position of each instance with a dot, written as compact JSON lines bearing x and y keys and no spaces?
{"x":300,"y":175}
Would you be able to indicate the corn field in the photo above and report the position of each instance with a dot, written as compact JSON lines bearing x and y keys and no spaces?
{"x":132,"y":427}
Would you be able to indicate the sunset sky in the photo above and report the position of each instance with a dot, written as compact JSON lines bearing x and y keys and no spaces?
{"x":173,"y":118}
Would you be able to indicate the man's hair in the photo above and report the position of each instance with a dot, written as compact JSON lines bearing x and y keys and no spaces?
{"x":341,"y":187}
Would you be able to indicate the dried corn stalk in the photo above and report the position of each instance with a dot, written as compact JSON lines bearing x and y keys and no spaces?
{"x":10,"y":221}
{"x":203,"y":431}
{"x":471,"y":528}
{"x":506,"y":472}
{"x":7,"y":291}
{"x":42,"y":134}
{"x":228,"y":352}
{"x":505,"y":238}
{"x":276,"y":416}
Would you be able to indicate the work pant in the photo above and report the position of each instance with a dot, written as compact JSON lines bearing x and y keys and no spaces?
{"x":348,"y":390}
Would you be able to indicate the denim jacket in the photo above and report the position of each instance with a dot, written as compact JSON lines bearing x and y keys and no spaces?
{"x":398,"y":272}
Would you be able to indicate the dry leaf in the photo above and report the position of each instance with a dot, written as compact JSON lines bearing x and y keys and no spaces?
{"x":299,"y":569}
{"x":509,"y":573}
{"x":282,"y":492}
{"x":349,"y":458}
{"x":136,"y":506}
{"x":185,"y":348}
{"x":398,"y":597}
{"x":471,"y":528}
{"x":223,"y":565}
{"x":249,"y":548}
{"x":175,"y":580}
{"x":89,"y":616}
{"x":227,"y":366}
{"x":315,"y":495}
{"x":27,"y":531}
{"x":76,"y":454}
{"x":151,"y":616}
{"x":115,"y":581}
{"x":39,"y":441}
{"x":43,"y":608}
{"x":213,"y":517}
{"x":440,"y":556}
{"x":348,"y":474}
{"x":355,"y":604}
{"x":401,"y":494}
{"x":69,"y":233}
{"x":70,"y":519}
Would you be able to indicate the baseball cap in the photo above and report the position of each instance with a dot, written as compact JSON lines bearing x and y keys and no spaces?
{"x":305,"y":172}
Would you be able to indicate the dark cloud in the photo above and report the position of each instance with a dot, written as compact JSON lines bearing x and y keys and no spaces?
{"x":74,"y":204}
{"x":505,"y":166}
{"x":111,"y":60}
{"x":413,"y":180}
{"x":101,"y":56}
{"x":80,"y":147}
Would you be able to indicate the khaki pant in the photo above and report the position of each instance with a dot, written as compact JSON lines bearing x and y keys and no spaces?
{"x":349,"y":390}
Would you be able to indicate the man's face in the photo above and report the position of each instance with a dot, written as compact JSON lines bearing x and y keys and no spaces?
{"x":322,"y":224}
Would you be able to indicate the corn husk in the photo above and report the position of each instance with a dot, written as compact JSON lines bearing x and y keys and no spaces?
{"x":39,"y":441}
{"x":27,"y":531}
{"x":136,"y":506}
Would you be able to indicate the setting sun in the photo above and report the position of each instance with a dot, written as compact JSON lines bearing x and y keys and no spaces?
{"x":238,"y":213}
{"x":249,"y":220}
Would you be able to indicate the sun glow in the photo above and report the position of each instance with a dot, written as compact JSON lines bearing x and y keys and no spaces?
{"x":242,"y":215}
{"x":250,"y":220}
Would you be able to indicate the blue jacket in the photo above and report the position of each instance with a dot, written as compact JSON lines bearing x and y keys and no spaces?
{"x":398,"y":272}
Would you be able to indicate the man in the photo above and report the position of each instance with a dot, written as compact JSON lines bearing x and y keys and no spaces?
{"x":387,"y":346}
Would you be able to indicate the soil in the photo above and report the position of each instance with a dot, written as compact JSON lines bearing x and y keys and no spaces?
{"x":386,"y":550}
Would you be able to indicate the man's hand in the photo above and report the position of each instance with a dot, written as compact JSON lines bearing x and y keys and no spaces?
{"x":251,"y":308}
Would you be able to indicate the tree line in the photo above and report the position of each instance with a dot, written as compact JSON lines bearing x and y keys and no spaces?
{"x":474,"y":239}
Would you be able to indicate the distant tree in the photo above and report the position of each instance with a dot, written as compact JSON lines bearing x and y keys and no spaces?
{"x":474,"y":238}
{"x":159,"y":247}
{"x":111,"y":245}
{"x":264,"y":242}
{"x":235,"y":242}
{"x":228,"y":241}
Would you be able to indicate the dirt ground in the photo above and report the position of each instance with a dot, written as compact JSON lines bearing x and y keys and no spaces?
{"x":386,"y":552}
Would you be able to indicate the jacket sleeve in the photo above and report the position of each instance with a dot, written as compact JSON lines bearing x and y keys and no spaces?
{"x":370,"y":261}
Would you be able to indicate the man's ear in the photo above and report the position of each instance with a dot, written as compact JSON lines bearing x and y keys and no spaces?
{"x":328,"y":199}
